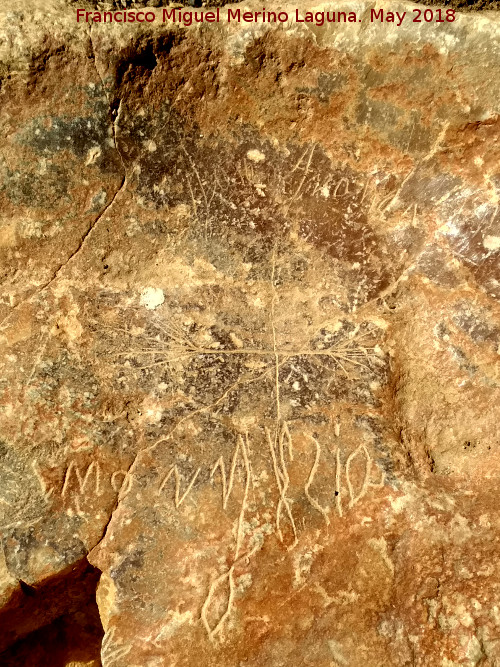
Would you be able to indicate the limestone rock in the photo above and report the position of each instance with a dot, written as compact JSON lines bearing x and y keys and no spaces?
{"x":250,"y":335}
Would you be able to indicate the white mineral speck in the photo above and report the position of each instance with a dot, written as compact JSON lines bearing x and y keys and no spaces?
{"x":491,"y":242}
{"x":255,"y":155}
{"x":152,"y":297}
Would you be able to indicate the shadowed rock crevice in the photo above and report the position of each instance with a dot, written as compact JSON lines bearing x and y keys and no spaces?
{"x":54,"y":622}
{"x":72,"y":639}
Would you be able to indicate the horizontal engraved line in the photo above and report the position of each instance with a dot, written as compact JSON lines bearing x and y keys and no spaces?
{"x":257,"y":351}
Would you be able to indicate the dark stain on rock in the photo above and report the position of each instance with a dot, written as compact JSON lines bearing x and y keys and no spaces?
{"x":28,"y":188}
{"x":328,"y":84}
{"x":476,"y":325}
{"x":462,"y":360}
{"x":88,"y":138}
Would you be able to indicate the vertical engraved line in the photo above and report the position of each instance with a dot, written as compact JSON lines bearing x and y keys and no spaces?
{"x":338,"y":471}
{"x":368,"y":465}
{"x":67,"y":478}
{"x":278,"y":482}
{"x":226,"y":486}
{"x":98,"y":481}
{"x":242,"y":446}
{"x":312,"y":474}
{"x":239,"y":536}
{"x":111,"y":651}
{"x":178,"y":499}
{"x":282,"y":481}
{"x":286,"y":478}
{"x":286,"y":431}
{"x":275,"y":348}
{"x":299,"y":188}
{"x":200,"y":183}
{"x":229,"y":575}
{"x":82,"y":481}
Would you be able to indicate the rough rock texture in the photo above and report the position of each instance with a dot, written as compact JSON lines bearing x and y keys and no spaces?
{"x":250,"y":331}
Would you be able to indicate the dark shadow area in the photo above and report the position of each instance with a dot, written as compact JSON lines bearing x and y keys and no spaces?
{"x":56,"y":623}
{"x":75,"y":638}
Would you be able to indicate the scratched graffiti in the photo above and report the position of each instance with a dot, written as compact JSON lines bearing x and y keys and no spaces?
{"x":113,"y":650}
{"x":251,"y":404}
{"x":297,"y":469}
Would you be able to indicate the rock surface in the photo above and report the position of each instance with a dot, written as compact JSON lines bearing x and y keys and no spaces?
{"x":250,"y":327}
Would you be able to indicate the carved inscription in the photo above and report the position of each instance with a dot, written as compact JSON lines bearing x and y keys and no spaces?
{"x":113,"y":650}
{"x":282,"y":478}
{"x":80,"y":481}
{"x":310,"y":480}
{"x":73,"y":474}
{"x":179,"y":497}
{"x":241,"y":449}
{"x":347,"y":482}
